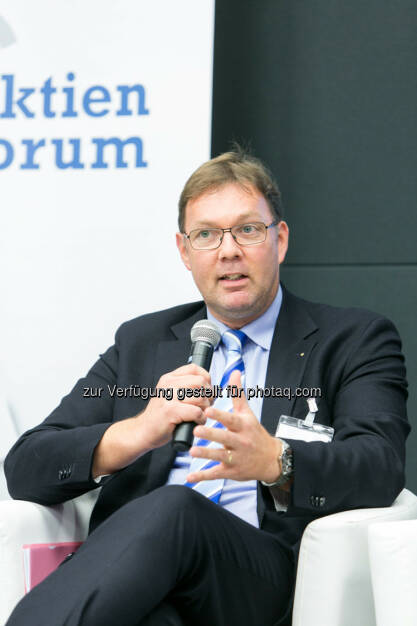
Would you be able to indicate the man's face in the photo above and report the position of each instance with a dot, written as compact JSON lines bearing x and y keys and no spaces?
{"x":238,"y":283}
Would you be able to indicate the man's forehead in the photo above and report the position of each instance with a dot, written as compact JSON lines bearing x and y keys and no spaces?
{"x":232,"y":201}
{"x":241,"y":217}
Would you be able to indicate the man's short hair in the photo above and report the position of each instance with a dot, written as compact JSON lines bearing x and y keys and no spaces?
{"x":236,"y":166}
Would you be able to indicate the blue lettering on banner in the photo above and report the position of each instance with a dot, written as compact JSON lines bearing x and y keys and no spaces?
{"x":125,"y":90}
{"x":49,"y":101}
{"x":75,"y":163}
{"x":119,"y":145}
{"x":9,"y":152}
{"x":31,"y":148}
{"x":47,"y":90}
{"x":20,"y":102}
{"x":88,"y":100}
{"x":69,"y":92}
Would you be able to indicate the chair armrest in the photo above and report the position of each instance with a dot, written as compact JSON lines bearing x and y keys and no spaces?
{"x":25,"y":523}
{"x":333,"y":583}
{"x":393,"y":557}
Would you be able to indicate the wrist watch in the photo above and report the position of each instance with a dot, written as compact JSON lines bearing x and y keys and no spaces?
{"x":286,"y":462}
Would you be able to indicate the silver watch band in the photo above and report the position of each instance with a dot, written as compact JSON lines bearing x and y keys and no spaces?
{"x":286,"y":461}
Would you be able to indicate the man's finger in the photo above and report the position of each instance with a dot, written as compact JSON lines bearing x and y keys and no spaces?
{"x":204,"y":452}
{"x":218,"y":471}
{"x":240,"y":403}
{"x":229,"y":420}
{"x":220,"y":435}
{"x":193,"y":369}
{"x":181,"y":412}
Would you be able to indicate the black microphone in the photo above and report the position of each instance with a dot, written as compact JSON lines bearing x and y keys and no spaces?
{"x":205,"y":337}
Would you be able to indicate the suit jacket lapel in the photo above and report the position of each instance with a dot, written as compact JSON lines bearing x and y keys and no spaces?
{"x":293,"y":340}
{"x":169,"y":355}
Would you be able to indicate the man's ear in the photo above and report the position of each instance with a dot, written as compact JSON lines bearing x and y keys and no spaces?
{"x":183,"y":250}
{"x":283,"y":235}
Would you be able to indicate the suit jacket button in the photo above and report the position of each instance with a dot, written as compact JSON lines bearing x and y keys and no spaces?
{"x":322,"y":501}
{"x":60,"y":475}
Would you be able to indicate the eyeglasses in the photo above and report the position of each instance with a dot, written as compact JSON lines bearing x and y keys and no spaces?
{"x":243,"y":234}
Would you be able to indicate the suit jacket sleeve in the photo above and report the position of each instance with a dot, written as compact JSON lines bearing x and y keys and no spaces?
{"x":52,"y":462}
{"x":364,"y":465}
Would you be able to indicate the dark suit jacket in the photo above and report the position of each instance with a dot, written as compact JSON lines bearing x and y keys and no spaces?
{"x":352,"y":355}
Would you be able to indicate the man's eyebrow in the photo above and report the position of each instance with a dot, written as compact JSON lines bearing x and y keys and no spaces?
{"x":245,"y":217}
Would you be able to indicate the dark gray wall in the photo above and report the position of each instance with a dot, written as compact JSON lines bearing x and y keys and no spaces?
{"x":326,"y":94}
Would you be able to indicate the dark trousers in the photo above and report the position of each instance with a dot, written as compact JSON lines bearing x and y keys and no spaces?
{"x":171,"y":557}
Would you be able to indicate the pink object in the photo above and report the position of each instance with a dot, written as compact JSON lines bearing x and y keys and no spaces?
{"x":41,"y":559}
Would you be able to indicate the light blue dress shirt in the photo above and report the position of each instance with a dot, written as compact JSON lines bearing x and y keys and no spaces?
{"x":239,"y":497}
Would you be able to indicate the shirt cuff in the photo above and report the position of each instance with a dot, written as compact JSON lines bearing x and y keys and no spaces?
{"x":100,"y":478}
{"x":281,"y":498}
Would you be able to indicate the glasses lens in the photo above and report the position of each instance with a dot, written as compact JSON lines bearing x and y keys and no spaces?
{"x":249,"y":233}
{"x":205,"y":238}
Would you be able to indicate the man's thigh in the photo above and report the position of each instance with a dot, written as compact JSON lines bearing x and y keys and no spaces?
{"x":163,"y":615}
{"x":242,"y":575}
{"x":171,"y":545}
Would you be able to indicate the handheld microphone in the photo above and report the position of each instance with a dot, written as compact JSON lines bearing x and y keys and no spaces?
{"x":205,"y":337}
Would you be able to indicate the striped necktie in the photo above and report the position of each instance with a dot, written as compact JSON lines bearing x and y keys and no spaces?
{"x":233,"y":340}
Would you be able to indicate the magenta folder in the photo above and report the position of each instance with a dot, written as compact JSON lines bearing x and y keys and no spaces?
{"x":41,"y":559}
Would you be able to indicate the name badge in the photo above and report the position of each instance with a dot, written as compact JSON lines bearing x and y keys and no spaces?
{"x":307,"y":429}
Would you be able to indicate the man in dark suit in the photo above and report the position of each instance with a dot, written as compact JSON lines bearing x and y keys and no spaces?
{"x":159,"y":552}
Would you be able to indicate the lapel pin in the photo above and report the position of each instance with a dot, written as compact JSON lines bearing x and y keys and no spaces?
{"x":301,"y":353}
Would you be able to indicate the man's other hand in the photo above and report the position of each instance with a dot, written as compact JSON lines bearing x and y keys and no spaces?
{"x":249,"y":452}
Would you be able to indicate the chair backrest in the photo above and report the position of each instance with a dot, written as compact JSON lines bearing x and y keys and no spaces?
{"x":9,"y":434}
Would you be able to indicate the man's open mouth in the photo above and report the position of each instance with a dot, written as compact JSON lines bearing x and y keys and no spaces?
{"x":233,"y":276}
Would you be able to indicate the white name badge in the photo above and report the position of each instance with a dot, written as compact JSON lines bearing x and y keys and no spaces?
{"x":293,"y":428}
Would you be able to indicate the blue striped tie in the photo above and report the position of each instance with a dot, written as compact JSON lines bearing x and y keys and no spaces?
{"x":233,"y":340}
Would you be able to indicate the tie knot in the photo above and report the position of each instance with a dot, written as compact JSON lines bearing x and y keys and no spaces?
{"x":234,"y":340}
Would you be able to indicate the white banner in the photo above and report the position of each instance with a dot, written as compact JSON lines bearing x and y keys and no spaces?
{"x":105,"y":110}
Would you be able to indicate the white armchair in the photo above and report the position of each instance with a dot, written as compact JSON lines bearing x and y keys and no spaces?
{"x":334,"y":586}
{"x":393,"y":556}
{"x":9,"y":434}
{"x":333,"y":580}
{"x":27,"y":523}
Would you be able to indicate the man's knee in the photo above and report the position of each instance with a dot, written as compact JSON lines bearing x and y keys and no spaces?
{"x":169,"y":503}
{"x":180,"y":497}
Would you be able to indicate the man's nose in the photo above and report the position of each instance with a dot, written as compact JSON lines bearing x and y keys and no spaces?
{"x":229,"y":246}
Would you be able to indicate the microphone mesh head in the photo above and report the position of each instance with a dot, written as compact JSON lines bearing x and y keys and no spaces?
{"x":205,"y":330}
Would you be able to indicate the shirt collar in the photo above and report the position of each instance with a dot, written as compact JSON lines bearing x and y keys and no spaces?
{"x":261,"y":330}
